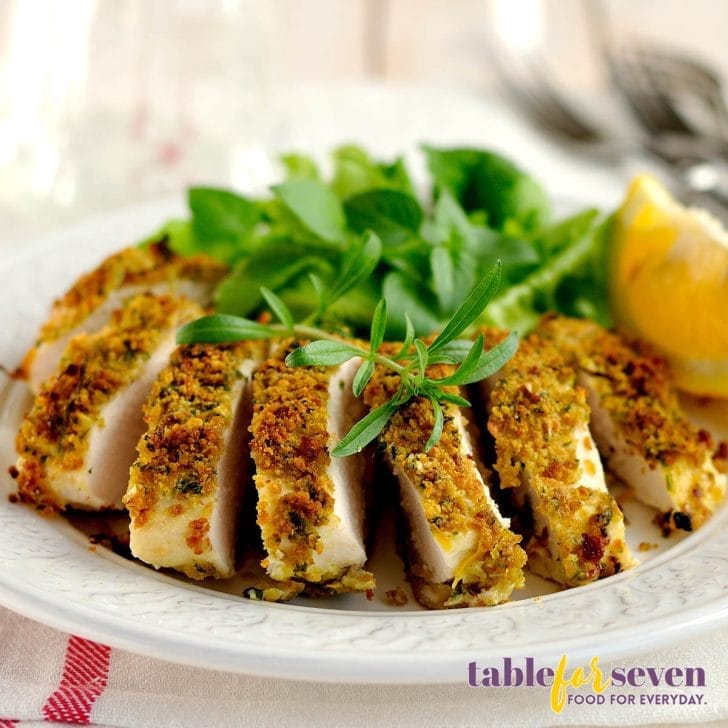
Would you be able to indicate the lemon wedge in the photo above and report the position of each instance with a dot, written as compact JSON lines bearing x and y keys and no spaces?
{"x":668,"y":283}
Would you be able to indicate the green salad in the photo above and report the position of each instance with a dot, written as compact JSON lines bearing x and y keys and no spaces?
{"x":422,"y":253}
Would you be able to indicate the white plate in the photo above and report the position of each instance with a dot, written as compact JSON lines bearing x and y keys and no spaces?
{"x":49,"y":572}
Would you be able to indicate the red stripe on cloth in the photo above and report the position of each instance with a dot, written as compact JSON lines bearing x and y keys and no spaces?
{"x":8,"y":723}
{"x":85,"y":675}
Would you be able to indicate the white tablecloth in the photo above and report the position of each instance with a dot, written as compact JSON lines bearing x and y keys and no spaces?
{"x":48,"y":675}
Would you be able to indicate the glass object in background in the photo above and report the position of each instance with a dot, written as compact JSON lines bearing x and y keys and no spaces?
{"x":555,"y":37}
{"x":107,"y":102}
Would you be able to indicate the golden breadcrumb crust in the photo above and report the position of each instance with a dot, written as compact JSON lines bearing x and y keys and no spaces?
{"x":633,"y":386}
{"x":94,"y":367}
{"x":536,"y":408}
{"x":720,"y":457}
{"x":187,"y":412}
{"x":290,"y":447}
{"x":636,"y":390}
{"x":144,"y":266}
{"x":536,"y":396}
{"x":451,"y":494}
{"x":131,"y":266}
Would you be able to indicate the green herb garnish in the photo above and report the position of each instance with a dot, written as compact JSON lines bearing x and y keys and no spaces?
{"x":410,"y":363}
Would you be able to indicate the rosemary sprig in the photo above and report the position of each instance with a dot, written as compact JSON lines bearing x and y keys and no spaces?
{"x":410,"y":363}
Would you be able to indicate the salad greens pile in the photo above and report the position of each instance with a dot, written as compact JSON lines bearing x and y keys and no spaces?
{"x":422,"y":253}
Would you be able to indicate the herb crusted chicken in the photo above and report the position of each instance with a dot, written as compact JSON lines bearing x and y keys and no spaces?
{"x":187,"y":483}
{"x":217,"y":411}
{"x":638,"y":424}
{"x":311,"y":506}
{"x":89,"y":303}
{"x":77,"y":442}
{"x":462,"y":552}
{"x":546,"y":457}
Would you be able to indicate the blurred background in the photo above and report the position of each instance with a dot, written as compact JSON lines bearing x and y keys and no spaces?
{"x":108,"y":103}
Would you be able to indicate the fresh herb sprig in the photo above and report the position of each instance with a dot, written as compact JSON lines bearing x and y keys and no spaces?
{"x":410,"y":363}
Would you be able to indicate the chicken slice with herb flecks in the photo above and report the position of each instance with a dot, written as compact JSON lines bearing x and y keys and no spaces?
{"x":311,"y":505}
{"x":546,"y":458}
{"x":187,"y":482}
{"x":638,"y":424}
{"x":462,"y":552}
{"x":88,"y":304}
{"x":77,"y":442}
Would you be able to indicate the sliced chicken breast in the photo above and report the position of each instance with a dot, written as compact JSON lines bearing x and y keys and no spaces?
{"x":187,"y":482}
{"x":77,"y":442}
{"x":88,"y":304}
{"x":545,"y":455}
{"x":639,"y":427}
{"x":311,"y":506}
{"x":462,"y":552}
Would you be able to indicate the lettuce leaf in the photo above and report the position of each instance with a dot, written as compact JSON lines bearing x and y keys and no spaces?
{"x":483,"y":209}
{"x":571,"y":280}
{"x":485,"y":181}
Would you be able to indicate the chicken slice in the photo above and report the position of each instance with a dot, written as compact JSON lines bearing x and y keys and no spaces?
{"x":539,"y":420}
{"x":462,"y":551}
{"x":639,"y":427}
{"x":88,"y":304}
{"x":311,"y":506}
{"x":77,"y":442}
{"x":187,"y":482}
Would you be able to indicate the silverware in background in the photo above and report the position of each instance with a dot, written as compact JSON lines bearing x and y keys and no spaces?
{"x":653,"y":84}
{"x":657,"y":83}
{"x":676,"y":102}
